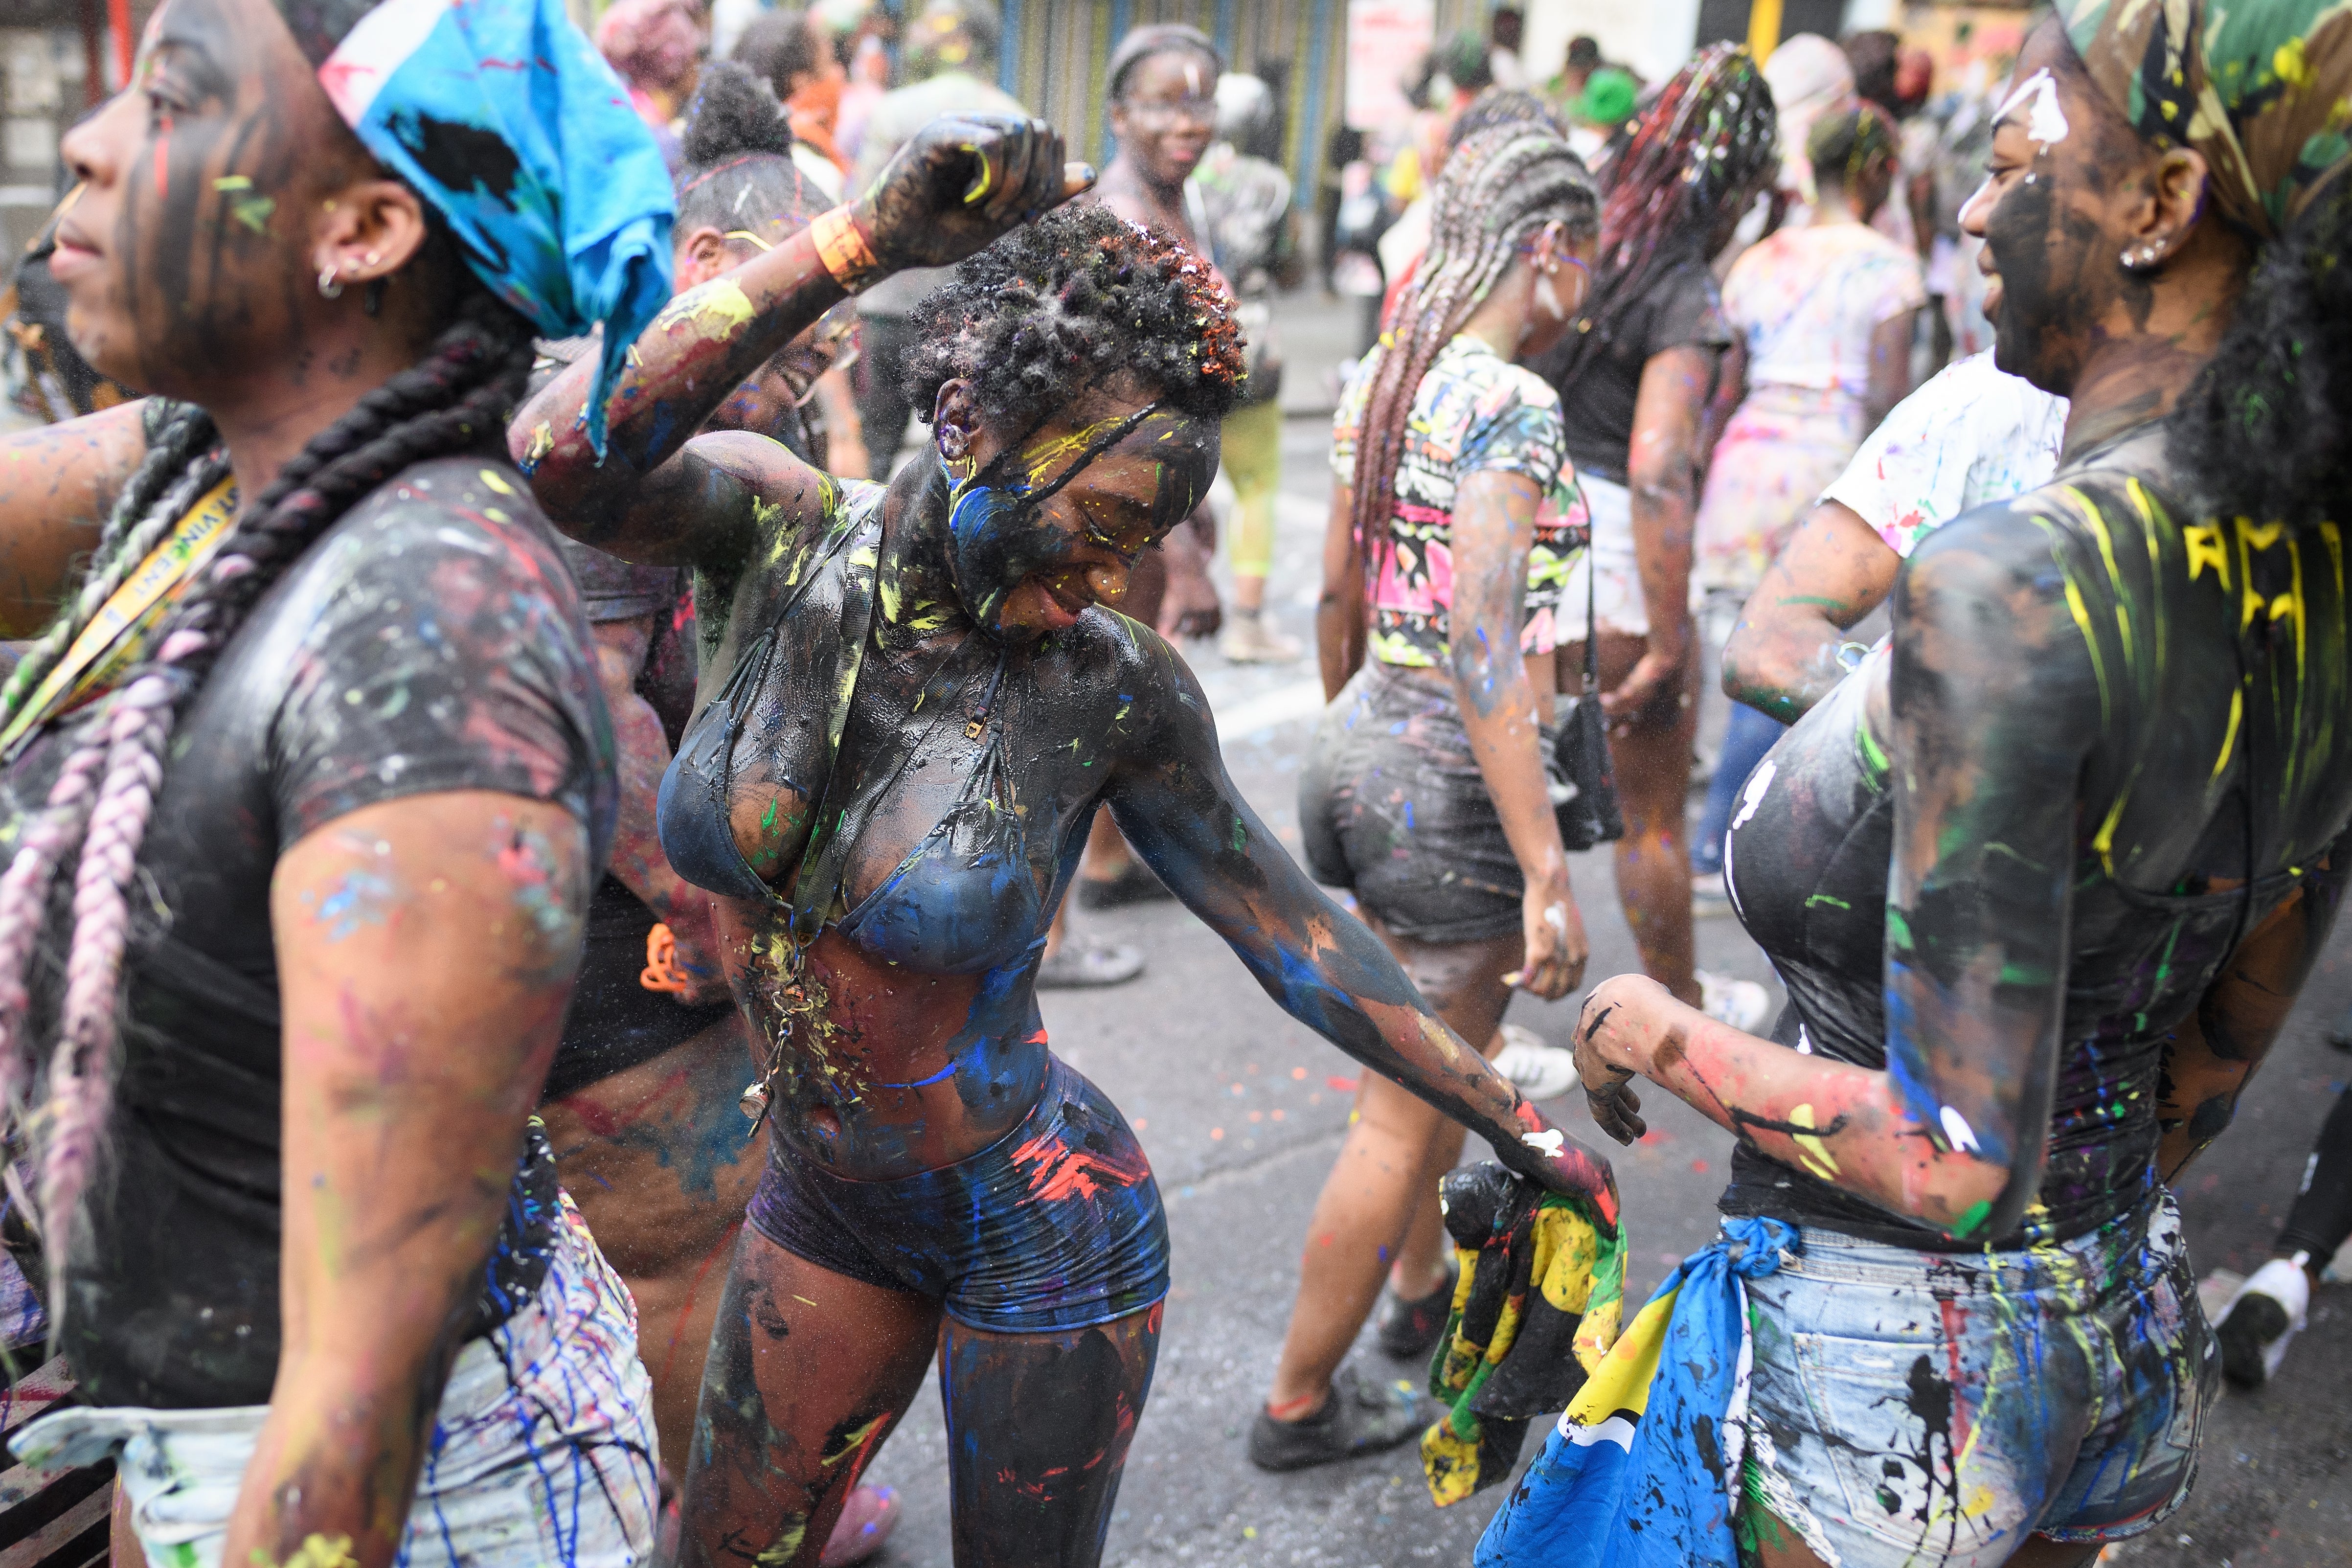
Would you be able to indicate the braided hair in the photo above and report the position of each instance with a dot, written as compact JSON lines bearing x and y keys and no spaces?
{"x":1840,"y":147}
{"x":456,"y":399}
{"x":1698,"y":153}
{"x":1500,"y":188}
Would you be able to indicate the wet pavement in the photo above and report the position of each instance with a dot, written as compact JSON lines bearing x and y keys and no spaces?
{"x":1241,"y":1111}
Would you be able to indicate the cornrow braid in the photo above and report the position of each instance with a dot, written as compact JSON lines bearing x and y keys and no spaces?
{"x":1701,"y":150}
{"x":1840,"y":146}
{"x":1500,"y":188}
{"x":455,"y":400}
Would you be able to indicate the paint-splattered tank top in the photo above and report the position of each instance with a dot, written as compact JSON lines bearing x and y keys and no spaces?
{"x":2162,"y":847}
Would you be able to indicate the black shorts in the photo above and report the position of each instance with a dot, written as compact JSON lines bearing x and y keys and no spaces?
{"x":1055,"y":1225}
{"x":615,"y":1022}
{"x":1392,"y":804}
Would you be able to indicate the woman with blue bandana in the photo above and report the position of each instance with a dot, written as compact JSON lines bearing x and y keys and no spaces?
{"x":916,"y":699}
{"x":303,"y":788}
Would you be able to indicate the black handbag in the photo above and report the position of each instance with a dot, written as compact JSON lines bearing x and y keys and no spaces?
{"x":1584,"y":793}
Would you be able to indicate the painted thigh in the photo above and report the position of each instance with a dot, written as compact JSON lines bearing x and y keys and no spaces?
{"x":808,"y":1372}
{"x":1038,"y":1428}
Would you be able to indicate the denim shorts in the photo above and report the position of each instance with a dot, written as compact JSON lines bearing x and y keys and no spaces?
{"x":1928,"y":1408}
{"x":542,"y":1451}
{"x":1392,"y":805}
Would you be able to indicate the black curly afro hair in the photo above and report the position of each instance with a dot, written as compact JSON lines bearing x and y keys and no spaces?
{"x":1058,"y":304}
{"x":738,"y":149}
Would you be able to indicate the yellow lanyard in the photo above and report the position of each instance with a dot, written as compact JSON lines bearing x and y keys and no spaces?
{"x":117,"y":635}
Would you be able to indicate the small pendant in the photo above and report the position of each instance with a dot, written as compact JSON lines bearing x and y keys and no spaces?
{"x":755,"y":1100}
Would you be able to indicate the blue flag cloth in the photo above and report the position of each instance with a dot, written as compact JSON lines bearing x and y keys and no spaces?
{"x":1643,"y":1469}
{"x":506,"y":119}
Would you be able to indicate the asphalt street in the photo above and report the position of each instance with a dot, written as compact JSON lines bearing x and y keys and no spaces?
{"x":1242,"y":1110}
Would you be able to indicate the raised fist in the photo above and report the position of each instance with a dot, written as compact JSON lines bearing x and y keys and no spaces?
{"x":961,"y":181}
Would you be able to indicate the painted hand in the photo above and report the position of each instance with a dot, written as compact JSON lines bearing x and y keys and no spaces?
{"x":1657,"y":672}
{"x":1613,"y":1041}
{"x":961,"y":181}
{"x":1559,"y":1163}
{"x":1552,"y":932}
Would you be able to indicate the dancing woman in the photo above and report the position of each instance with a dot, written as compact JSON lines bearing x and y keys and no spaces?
{"x":2043,"y":882}
{"x":640,"y":1104}
{"x":306,"y":790}
{"x":1455,"y":516}
{"x":916,"y":702}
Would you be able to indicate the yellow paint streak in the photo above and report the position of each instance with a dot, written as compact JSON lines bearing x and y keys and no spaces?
{"x":2098,"y":527}
{"x":492,"y":478}
{"x":720,"y":309}
{"x":2206,"y":549}
{"x":1817,"y":1157}
{"x":2251,"y":538}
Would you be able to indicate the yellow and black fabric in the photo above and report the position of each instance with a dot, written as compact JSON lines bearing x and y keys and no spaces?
{"x":1541,"y":1292}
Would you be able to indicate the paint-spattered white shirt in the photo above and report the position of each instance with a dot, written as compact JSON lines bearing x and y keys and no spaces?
{"x":1973,"y":434}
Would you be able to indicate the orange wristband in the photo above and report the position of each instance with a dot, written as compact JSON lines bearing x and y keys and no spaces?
{"x":842,"y":246}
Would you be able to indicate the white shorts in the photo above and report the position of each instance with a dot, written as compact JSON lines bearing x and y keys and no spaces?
{"x":1617,"y":601}
{"x":542,"y":1450}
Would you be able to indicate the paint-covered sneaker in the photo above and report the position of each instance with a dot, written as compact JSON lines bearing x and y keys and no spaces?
{"x":1360,"y":1417}
{"x":866,"y":1522}
{"x":1079,"y":965}
{"x":1535,"y":1070}
{"x":1741,"y":1003}
{"x":1408,"y":1330}
{"x":1247,"y":639}
{"x":2260,"y":1318}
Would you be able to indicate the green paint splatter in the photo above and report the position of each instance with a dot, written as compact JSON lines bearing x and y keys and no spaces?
{"x":1241,"y":836}
{"x":1826,"y":898}
{"x":1971,"y":1218}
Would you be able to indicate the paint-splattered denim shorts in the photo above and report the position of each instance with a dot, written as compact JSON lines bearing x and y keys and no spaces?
{"x":1932,"y":1409}
{"x":1392,"y":804}
{"x":541,"y":1452}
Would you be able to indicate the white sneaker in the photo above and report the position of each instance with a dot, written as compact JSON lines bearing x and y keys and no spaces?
{"x":1535,"y":1070}
{"x":2254,"y":1329}
{"x":1741,"y":1003}
{"x":1247,"y":639}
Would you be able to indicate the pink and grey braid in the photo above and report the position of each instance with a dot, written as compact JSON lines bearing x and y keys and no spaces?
{"x":456,"y":399}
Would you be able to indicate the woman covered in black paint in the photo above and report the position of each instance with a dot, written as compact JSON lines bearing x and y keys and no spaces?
{"x":2043,"y":882}
{"x":640,"y":1102}
{"x":918,"y":698}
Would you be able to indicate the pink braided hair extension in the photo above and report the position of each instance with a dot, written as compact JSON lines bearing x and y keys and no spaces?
{"x":47,"y":840}
{"x":81,"y":1079}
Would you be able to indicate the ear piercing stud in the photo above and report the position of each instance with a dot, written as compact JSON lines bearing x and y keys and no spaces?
{"x":2140,"y":258}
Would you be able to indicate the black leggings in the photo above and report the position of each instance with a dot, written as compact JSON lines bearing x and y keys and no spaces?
{"x":2322,"y":1216}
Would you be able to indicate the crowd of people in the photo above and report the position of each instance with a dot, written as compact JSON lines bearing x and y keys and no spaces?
{"x":512,"y":1056}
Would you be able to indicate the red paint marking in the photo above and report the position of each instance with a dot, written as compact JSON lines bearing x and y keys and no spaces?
{"x":1057,"y":1170}
{"x":1955,"y":1324}
{"x":1344,"y":1085}
{"x":162,"y":160}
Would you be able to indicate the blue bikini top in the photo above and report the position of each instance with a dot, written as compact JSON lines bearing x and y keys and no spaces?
{"x":963,"y":900}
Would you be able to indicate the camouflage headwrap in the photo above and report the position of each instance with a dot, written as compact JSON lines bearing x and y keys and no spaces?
{"x":2262,"y":88}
